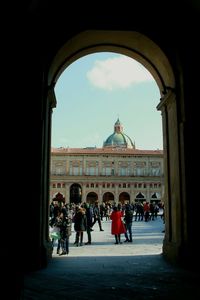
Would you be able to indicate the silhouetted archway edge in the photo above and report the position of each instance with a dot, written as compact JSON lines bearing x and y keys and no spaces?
{"x":146,"y":52}
{"x":132,"y":44}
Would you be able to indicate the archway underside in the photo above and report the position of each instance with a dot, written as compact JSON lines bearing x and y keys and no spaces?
{"x":132,"y":44}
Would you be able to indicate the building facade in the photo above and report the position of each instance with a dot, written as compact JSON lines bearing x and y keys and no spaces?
{"x":117,"y":172}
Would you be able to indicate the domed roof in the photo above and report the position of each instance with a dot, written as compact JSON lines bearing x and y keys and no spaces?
{"x":118,"y":138}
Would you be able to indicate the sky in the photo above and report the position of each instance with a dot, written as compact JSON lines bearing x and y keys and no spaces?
{"x":96,"y":90}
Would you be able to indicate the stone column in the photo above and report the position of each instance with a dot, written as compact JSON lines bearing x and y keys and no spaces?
{"x":148,"y":192}
{"x":44,"y":251}
{"x":172,"y":200}
{"x":83,"y":193}
{"x":67,"y":192}
{"x":100,"y":195}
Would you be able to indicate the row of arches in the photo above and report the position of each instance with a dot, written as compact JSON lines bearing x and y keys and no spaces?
{"x":92,"y":197}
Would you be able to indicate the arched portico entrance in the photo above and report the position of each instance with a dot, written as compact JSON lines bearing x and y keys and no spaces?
{"x":75,"y":193}
{"x":91,"y":198}
{"x":145,"y":51}
{"x":140,"y":198}
{"x":58,"y":198}
{"x":124,"y":198}
{"x":108,"y":197}
{"x":155,"y":197}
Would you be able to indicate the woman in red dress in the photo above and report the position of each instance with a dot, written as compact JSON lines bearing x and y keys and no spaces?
{"x":117,"y":226}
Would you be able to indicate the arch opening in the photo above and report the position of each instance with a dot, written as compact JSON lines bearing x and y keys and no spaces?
{"x":149,"y":54}
{"x":75,"y":193}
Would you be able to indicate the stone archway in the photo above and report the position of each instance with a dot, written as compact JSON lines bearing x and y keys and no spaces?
{"x":59,"y":198}
{"x":91,"y":198}
{"x":124,"y":198}
{"x":75,"y":193}
{"x":148,"y":53}
{"x":108,"y":197}
{"x":155,"y":197}
{"x":140,"y":198}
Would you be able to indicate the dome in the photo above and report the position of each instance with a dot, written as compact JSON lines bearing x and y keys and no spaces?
{"x":118,"y":138}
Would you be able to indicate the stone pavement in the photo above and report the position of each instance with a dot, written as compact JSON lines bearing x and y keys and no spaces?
{"x":104,"y":270}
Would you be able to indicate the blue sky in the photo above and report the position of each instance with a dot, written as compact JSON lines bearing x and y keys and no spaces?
{"x":96,"y":90}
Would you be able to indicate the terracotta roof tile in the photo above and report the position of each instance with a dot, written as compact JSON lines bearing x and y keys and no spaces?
{"x":75,"y":151}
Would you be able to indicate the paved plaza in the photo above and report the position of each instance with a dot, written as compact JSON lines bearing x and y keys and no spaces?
{"x":104,"y":270}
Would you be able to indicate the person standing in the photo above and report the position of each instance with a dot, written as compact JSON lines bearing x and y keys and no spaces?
{"x":97,"y":215}
{"x":117,"y":226}
{"x":146,"y":211}
{"x":128,"y":220}
{"x":80,"y":225}
{"x":89,"y":216}
{"x":54,"y":231}
{"x":65,"y":224}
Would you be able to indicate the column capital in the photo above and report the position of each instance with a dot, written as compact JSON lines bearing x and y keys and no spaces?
{"x":166,"y":99}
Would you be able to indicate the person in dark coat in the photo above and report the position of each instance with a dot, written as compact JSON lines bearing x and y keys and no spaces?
{"x":80,"y":225}
{"x":128,"y":220}
{"x":89,"y":216}
{"x":97,"y":215}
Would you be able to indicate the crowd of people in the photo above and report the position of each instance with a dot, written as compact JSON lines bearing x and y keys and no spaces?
{"x":83,"y":217}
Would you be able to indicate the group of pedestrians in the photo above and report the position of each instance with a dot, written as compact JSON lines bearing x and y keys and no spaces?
{"x":83,"y":217}
{"x":146,"y":211}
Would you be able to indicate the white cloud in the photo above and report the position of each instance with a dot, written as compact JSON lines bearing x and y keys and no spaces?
{"x":118,"y":72}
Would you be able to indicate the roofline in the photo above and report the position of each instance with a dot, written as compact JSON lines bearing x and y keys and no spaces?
{"x":107,"y":150}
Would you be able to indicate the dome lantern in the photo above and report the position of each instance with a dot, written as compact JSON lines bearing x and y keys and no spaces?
{"x":118,"y":139}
